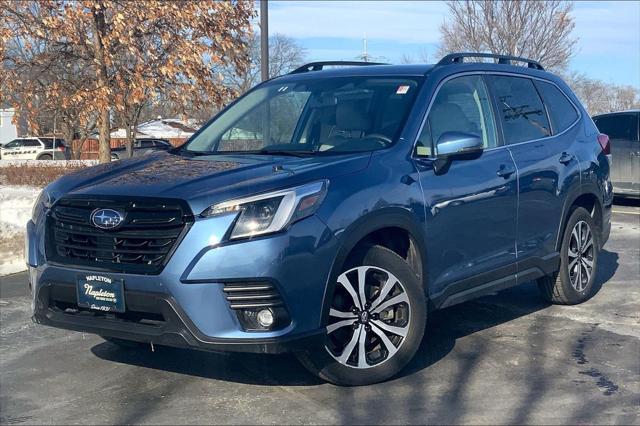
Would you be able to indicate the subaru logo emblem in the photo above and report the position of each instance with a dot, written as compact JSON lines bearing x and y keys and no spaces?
{"x":106,"y":218}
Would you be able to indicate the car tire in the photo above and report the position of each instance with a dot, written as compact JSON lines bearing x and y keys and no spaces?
{"x":45,"y":157}
{"x":573,"y":283}
{"x":128,"y":344}
{"x":395,"y":300}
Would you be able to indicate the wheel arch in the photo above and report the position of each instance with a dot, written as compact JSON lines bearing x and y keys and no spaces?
{"x":44,"y":153}
{"x":395,"y":228}
{"x":588,"y":200}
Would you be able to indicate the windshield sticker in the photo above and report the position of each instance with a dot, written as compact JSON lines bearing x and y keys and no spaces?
{"x":402,"y":90}
{"x":283,"y":89}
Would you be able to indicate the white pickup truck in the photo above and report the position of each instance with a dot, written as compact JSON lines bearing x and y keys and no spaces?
{"x":35,"y":148}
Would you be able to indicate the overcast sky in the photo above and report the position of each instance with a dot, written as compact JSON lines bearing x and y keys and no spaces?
{"x":608,"y":32}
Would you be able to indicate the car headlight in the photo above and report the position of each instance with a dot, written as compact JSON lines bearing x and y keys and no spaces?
{"x":270,"y":212}
{"x":43,"y":203}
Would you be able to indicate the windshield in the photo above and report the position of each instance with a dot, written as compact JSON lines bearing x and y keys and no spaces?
{"x":327,"y":115}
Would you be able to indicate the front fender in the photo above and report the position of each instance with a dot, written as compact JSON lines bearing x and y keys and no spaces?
{"x":389,"y":217}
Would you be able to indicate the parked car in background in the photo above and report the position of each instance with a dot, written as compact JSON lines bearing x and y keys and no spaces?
{"x":141,"y":147}
{"x":623,"y":130}
{"x":328,"y":212}
{"x":35,"y":148}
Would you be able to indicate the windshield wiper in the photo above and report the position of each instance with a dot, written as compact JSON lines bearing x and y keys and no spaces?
{"x":293,"y":153}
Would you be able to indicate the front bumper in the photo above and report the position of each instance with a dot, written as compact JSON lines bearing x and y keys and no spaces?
{"x":165,"y":324}
{"x":185,"y":305}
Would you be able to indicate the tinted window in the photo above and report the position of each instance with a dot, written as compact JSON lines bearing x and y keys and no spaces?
{"x":520,"y":108}
{"x":146,"y":144}
{"x":461,"y":105}
{"x":561,"y":111}
{"x":618,"y":126}
{"x":48,"y":142}
{"x":31,"y":143}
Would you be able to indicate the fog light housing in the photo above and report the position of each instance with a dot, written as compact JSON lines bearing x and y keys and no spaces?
{"x":263,"y":319}
{"x":257,"y":304}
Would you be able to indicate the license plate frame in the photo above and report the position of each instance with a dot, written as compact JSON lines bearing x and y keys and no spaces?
{"x":100,"y":293}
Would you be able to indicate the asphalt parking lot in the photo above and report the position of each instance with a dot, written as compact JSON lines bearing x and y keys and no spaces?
{"x":505,"y":358}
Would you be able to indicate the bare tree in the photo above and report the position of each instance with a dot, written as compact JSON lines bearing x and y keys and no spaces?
{"x":539,"y":30}
{"x":421,"y":58}
{"x":599,"y":97}
{"x":284,"y":55}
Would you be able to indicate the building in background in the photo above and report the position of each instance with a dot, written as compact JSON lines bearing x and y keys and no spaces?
{"x":8,"y":130}
{"x":172,"y":129}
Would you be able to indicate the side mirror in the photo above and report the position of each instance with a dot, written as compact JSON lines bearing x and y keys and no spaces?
{"x":456,"y":144}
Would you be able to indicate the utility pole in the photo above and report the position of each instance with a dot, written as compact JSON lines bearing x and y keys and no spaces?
{"x":365,"y":54}
{"x":264,"y":39}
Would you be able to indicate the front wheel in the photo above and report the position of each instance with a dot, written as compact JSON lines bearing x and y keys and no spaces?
{"x":376,"y":320}
{"x":573,"y":283}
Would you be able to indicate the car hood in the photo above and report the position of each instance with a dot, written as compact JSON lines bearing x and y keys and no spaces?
{"x":203,"y":180}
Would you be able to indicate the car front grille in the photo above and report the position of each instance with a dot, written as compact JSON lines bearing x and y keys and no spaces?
{"x":142,"y":243}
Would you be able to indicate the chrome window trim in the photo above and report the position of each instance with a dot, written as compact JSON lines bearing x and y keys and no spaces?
{"x":511,"y":74}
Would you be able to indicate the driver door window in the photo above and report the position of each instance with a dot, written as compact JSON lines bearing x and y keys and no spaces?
{"x":461,"y":105}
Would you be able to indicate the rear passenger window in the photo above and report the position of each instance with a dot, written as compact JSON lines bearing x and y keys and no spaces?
{"x":618,"y":126}
{"x":561,"y":112}
{"x":521,"y":110}
{"x":461,"y":105}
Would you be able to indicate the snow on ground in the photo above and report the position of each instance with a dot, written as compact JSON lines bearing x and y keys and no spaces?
{"x":49,"y":163}
{"x":16,"y":203}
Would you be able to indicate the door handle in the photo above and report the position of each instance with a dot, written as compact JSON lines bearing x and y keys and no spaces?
{"x":505,"y":171}
{"x":565,"y":158}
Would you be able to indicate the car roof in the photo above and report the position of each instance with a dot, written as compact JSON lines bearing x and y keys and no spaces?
{"x":412,"y":70}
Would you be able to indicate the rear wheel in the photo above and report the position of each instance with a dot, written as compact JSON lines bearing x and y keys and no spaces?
{"x":574,"y":282}
{"x":45,"y":157}
{"x":376,"y":321}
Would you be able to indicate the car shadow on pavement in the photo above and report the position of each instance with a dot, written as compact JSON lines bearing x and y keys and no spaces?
{"x":626,"y":201}
{"x":444,"y":327}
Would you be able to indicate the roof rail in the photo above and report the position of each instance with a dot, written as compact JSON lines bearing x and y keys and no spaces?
{"x":319,"y":66}
{"x":457,"y":58}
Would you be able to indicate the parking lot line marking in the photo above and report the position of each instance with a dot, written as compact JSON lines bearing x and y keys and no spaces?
{"x":623,"y":212}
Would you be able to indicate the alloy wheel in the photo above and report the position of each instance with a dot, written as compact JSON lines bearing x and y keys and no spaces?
{"x":581,"y":252}
{"x":369,"y":317}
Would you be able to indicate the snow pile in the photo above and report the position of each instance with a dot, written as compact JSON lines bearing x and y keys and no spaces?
{"x":16,"y":203}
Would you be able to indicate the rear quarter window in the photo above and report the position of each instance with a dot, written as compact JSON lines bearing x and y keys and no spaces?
{"x":520,"y":109}
{"x":618,"y":126}
{"x":561,"y":111}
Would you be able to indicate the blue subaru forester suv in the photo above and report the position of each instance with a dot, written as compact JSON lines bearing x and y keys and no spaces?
{"x":328,"y":211}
